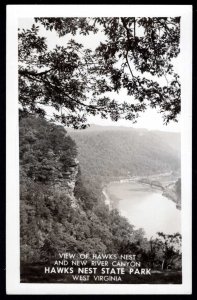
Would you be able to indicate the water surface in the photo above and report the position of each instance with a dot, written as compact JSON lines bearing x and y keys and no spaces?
{"x":145,"y":207}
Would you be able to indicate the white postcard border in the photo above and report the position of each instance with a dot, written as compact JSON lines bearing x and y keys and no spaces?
{"x":14,"y":12}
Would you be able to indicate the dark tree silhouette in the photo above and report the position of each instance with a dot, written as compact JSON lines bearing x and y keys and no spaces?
{"x":77,"y":82}
{"x":167,"y":248}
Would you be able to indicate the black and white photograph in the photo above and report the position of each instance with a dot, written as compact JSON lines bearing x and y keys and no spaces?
{"x":102,"y":114}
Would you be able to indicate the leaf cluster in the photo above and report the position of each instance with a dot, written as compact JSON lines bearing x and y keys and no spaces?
{"x":78,"y":82}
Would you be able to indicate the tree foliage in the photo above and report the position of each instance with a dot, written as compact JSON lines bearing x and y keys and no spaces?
{"x":166,"y":248}
{"x":50,"y":223}
{"x":43,"y":161}
{"x":78,"y":82}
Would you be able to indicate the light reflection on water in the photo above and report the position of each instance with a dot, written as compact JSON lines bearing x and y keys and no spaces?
{"x":146,"y":208}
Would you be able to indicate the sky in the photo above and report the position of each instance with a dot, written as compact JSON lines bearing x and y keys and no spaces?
{"x":150,"y":119}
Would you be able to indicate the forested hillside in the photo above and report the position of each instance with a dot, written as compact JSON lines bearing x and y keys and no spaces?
{"x":108,"y":152}
{"x":57,"y":212}
{"x":173,"y":192}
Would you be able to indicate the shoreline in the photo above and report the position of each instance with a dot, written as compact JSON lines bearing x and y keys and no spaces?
{"x":129,"y":209}
{"x":136,"y":179}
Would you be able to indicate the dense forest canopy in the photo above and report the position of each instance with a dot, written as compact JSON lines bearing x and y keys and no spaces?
{"x":77,"y":82}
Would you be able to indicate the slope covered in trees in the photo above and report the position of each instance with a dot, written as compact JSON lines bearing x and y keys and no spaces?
{"x":173,"y":192}
{"x":106,"y":152}
{"x":57,"y":212}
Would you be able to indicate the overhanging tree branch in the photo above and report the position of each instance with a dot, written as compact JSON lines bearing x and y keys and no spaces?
{"x":90,"y":74}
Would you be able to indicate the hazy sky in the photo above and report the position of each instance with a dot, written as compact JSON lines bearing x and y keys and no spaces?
{"x":149,"y":119}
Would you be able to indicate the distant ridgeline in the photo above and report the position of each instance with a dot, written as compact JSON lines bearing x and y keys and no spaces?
{"x":106,"y":153}
{"x":59,"y":213}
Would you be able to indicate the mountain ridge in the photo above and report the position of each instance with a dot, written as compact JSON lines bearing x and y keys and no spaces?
{"x":106,"y":152}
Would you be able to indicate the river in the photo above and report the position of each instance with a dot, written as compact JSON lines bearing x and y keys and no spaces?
{"x":144,"y":207}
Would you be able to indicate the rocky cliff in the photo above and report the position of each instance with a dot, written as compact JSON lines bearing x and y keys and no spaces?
{"x":57,"y":212}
